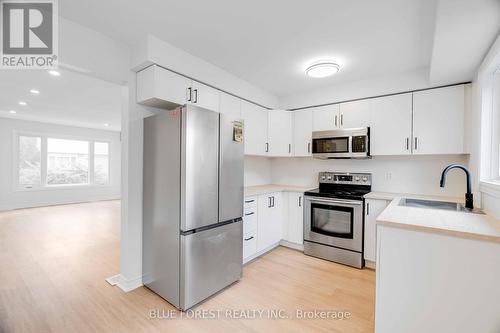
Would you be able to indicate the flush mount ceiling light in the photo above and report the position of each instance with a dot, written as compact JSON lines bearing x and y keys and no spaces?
{"x":54,"y":73}
{"x":34,"y":91}
{"x":106,"y":125}
{"x":322,"y":69}
{"x":23,"y":103}
{"x":12,"y":112}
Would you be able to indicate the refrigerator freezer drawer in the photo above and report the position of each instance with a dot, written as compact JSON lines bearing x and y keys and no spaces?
{"x":210,"y":261}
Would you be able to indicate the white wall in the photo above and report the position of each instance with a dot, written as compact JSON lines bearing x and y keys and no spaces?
{"x":400,"y":174}
{"x":257,"y":170}
{"x":10,"y":198}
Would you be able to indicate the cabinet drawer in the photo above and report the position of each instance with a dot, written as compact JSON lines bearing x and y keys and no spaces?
{"x":250,"y":202}
{"x":249,"y":244}
{"x":249,"y":221}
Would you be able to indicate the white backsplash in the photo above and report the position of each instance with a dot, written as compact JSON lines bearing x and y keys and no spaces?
{"x":400,"y":174}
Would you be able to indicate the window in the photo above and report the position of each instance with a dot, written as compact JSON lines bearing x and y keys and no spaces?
{"x":30,"y":161}
{"x":68,"y":162}
{"x":101,"y":163}
{"x":49,"y":162}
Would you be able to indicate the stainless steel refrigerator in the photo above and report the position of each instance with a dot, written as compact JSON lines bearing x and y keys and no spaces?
{"x":192,"y":204}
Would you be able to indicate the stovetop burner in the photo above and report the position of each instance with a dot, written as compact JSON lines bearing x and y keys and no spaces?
{"x":351,"y":186}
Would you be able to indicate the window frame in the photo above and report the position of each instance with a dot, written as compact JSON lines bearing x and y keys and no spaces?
{"x":44,"y":162}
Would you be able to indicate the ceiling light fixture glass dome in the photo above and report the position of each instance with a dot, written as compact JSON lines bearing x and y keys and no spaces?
{"x":322,"y":69}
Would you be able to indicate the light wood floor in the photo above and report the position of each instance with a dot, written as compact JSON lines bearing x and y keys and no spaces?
{"x":54,"y":261}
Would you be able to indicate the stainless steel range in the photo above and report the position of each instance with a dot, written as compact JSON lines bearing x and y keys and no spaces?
{"x":333,"y":217}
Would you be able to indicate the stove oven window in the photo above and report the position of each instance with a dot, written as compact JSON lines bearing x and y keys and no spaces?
{"x":332,"y":220}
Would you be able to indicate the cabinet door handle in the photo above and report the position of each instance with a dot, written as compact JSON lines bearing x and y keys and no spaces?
{"x":189,"y":94}
{"x":248,"y":214}
{"x":309,"y":147}
{"x":289,"y":148}
{"x":341,"y":120}
{"x":273,"y":202}
{"x":269,"y":206}
{"x":195,"y":96}
{"x":335,"y":121}
{"x":367,"y":208}
{"x":416,"y":143}
{"x":247,"y":239}
{"x":300,"y":201}
{"x":249,"y":201}
{"x":267,"y":147}
{"x":407,"y":143}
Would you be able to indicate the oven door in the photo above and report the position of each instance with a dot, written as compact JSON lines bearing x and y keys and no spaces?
{"x":334,"y":222}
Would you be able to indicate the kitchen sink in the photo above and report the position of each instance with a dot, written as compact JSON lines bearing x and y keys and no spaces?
{"x":431,"y":204}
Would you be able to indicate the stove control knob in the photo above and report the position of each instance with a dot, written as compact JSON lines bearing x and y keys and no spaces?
{"x":365,"y":179}
{"x":329,"y":177}
{"x":357,"y":178}
{"x":323,"y":177}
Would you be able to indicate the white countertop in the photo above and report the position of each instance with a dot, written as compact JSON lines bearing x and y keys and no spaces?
{"x":270,"y":188}
{"x":459,"y":224}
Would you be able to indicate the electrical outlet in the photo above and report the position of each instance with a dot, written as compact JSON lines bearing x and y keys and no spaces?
{"x":388,"y":176}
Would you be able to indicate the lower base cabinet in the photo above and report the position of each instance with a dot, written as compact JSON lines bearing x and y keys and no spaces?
{"x":373,"y":208}
{"x":270,"y":219}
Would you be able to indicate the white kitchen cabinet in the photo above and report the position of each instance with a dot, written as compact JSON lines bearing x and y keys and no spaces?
{"x":354,"y":114}
{"x":438,"y":121}
{"x":205,"y":96}
{"x":280,"y":133}
{"x":294,"y":218}
{"x":373,"y":208}
{"x":230,"y":105}
{"x":161,"y":88}
{"x":326,"y":118}
{"x":250,"y":209}
{"x":269,"y":220}
{"x":302,"y":130}
{"x":390,"y":125}
{"x":255,"y":130}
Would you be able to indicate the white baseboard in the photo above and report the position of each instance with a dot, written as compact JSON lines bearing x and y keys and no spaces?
{"x":260,"y":253}
{"x":125,"y":284}
{"x":370,"y":264}
{"x":295,"y":246}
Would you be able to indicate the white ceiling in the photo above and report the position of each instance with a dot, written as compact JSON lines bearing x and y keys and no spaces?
{"x":268,"y":43}
{"x":71,"y":99}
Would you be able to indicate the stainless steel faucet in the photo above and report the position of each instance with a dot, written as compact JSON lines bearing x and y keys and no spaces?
{"x":469,"y":200}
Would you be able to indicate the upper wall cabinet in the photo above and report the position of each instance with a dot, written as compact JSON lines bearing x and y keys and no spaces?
{"x":230,"y":105}
{"x":280,"y":133}
{"x":438,"y":121}
{"x":255,"y":130}
{"x":390,"y":121}
{"x":161,"y":88}
{"x":302,"y":130}
{"x":204,"y":96}
{"x":326,"y":118}
{"x":354,"y":114}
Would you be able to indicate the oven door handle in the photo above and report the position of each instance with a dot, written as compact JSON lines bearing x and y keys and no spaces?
{"x":332,"y":201}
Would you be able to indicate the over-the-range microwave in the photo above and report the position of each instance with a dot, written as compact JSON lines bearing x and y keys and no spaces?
{"x":343,"y":143}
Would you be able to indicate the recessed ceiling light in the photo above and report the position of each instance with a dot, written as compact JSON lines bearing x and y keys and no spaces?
{"x":106,"y":125}
{"x":322,"y":69}
{"x":54,"y":73}
{"x":34,"y":91}
{"x":23,"y":103}
{"x":12,"y":112}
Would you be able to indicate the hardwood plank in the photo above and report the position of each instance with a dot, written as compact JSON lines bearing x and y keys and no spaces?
{"x":54,"y":262}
